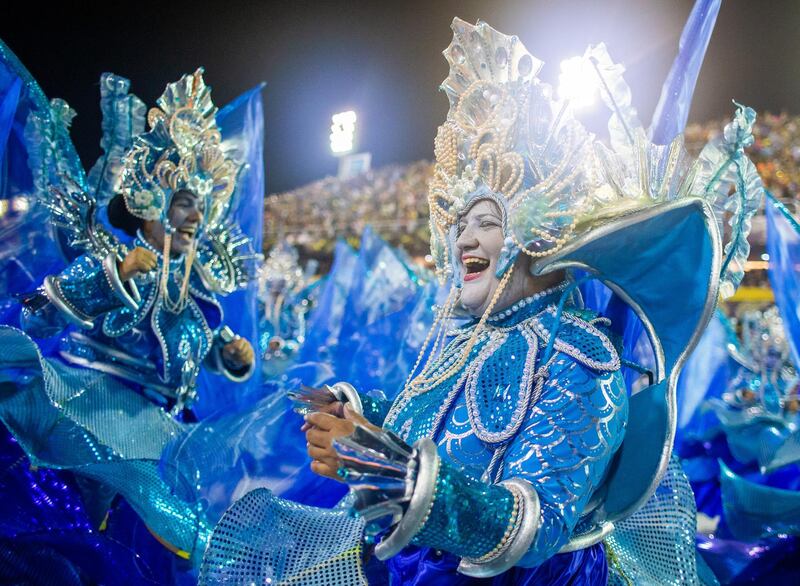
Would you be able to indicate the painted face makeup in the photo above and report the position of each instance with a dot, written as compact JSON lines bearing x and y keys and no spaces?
{"x":479,"y":243}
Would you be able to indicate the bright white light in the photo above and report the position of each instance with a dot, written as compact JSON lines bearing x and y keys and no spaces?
{"x":20,"y":204}
{"x":577,"y":82}
{"x":765,"y":256}
{"x":343,"y":128}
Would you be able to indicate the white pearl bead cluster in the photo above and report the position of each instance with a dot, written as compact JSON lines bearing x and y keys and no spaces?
{"x":524,"y":303}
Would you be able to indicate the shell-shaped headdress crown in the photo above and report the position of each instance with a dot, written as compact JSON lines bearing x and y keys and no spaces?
{"x":508,"y":137}
{"x":180,"y":151}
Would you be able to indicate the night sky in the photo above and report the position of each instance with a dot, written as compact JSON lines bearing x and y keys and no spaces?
{"x":383,"y":60}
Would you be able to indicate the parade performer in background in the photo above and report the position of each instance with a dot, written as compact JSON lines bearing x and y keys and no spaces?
{"x":738,"y":432}
{"x":286,"y":293}
{"x":515,"y":450}
{"x":368,"y":320}
{"x":742,"y":404}
{"x":101,"y":372}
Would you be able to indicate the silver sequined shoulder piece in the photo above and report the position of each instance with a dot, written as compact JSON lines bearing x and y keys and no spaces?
{"x":579,"y":339}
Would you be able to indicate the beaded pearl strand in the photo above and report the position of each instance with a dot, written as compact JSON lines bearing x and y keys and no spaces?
{"x":438,"y":326}
{"x":180,"y":304}
{"x":522,"y":303}
{"x":420,"y":384}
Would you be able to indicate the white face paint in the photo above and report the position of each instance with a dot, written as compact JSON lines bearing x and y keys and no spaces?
{"x":480,"y":240}
{"x":479,"y":243}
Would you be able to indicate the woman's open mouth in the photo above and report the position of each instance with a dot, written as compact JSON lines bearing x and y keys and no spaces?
{"x":474,"y":266}
{"x":187,"y":233}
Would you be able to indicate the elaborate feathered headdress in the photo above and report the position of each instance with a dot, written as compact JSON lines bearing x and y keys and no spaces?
{"x":509,"y":138}
{"x":180,"y":151}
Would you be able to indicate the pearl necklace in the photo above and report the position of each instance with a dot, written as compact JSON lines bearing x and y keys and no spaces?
{"x":501,"y":315}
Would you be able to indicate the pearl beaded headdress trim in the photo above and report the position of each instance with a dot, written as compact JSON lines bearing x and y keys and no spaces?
{"x":509,"y":138}
{"x":180,"y":151}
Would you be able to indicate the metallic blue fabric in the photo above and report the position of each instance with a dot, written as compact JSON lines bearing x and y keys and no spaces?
{"x":754,"y":511}
{"x":626,"y":328}
{"x":783,"y":246}
{"x":704,"y":376}
{"x":47,"y":535}
{"x":699,"y":440}
{"x":768,"y":561}
{"x":90,"y":423}
{"x":241,"y":123}
{"x":17,"y":85}
{"x":700,"y":461}
{"x":673,"y":320}
{"x":10,"y":87}
{"x":669,"y":118}
{"x":375,"y":307}
{"x":656,"y":544}
{"x":422,"y":566}
{"x":234,"y":452}
{"x":264,"y":540}
{"x":27,"y":251}
{"x":325,"y":322}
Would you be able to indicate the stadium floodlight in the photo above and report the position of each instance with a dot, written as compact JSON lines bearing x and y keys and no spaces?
{"x":343,"y":129}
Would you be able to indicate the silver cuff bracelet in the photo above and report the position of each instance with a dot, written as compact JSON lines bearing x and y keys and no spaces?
{"x":130,"y":298}
{"x":520,"y":542}
{"x":53,"y":292}
{"x":419,"y":506}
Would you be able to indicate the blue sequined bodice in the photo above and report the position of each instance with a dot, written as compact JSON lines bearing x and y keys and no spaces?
{"x":148,"y":345}
{"x":484,"y":403}
{"x":520,"y":409}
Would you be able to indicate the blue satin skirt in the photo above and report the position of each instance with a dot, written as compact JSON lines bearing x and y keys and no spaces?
{"x":422,"y":566}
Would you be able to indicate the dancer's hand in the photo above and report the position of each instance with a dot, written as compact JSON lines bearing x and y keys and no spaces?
{"x":316,"y":400}
{"x":321,"y":429}
{"x":137,"y":262}
{"x":238,"y":354}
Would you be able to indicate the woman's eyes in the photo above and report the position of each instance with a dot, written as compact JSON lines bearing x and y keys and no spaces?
{"x":182,"y":203}
{"x":483,"y":224}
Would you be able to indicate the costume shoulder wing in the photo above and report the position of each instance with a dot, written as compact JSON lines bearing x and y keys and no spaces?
{"x":46,"y":166}
{"x":123,"y":119}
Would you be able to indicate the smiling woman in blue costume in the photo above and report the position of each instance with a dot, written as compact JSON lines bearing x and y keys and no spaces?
{"x":135,"y":323}
{"x":514,"y":451}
